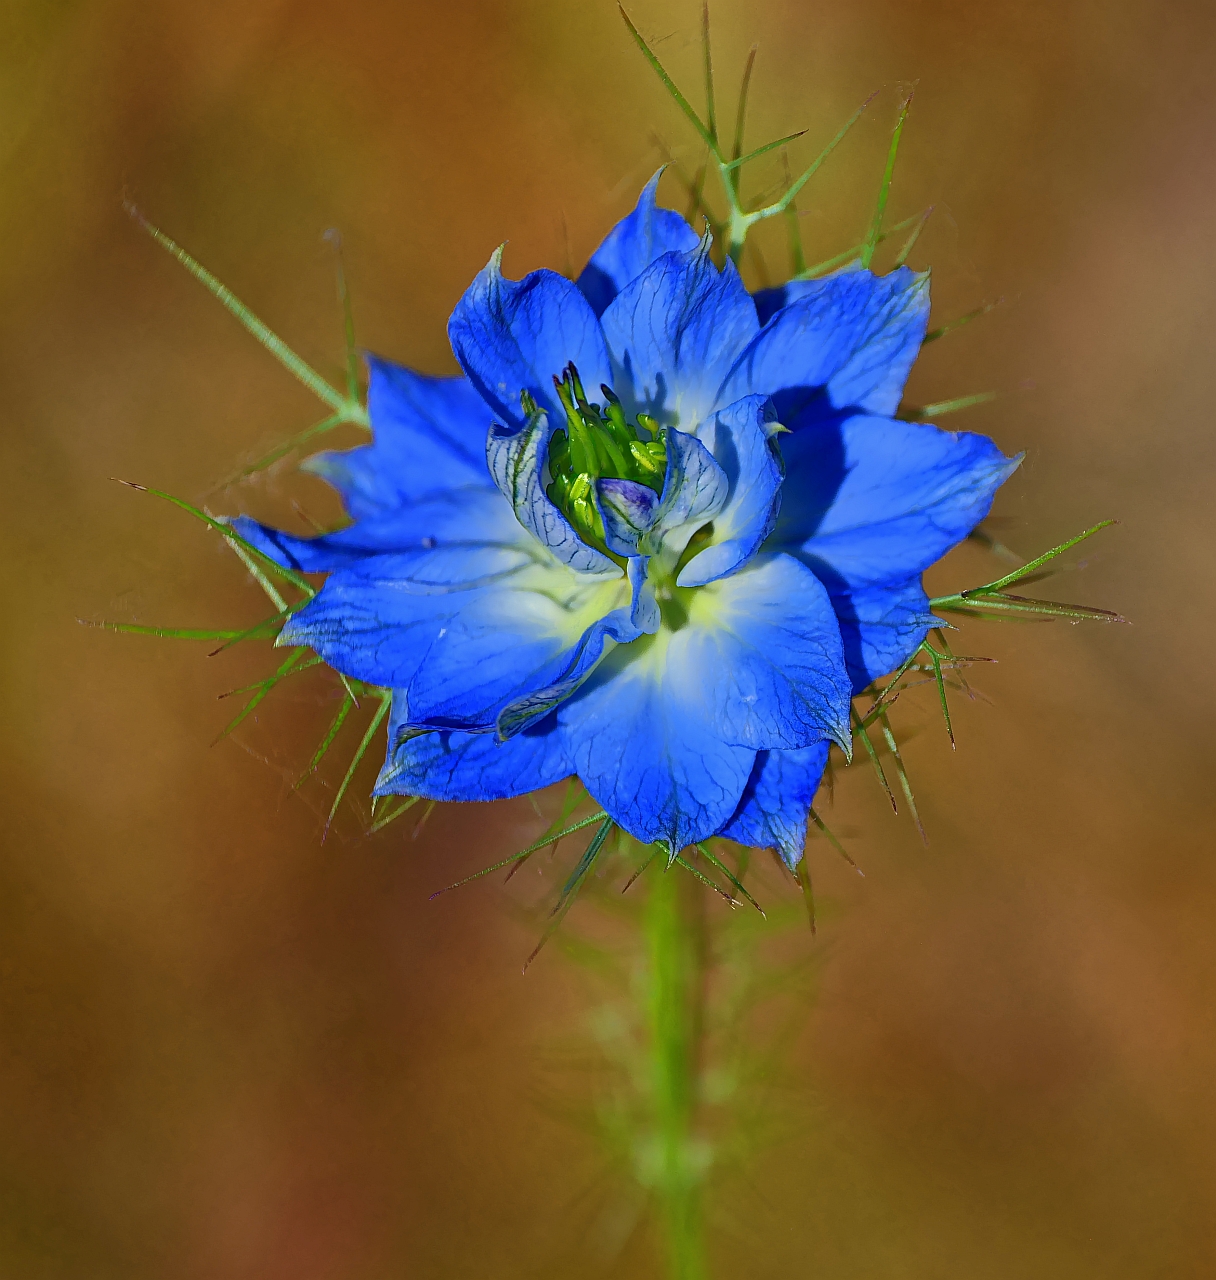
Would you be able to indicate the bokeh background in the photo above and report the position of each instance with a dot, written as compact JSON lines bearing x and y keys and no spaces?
{"x":228,"y":1050}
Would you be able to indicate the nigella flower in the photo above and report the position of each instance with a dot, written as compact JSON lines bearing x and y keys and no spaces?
{"x":657,"y":536}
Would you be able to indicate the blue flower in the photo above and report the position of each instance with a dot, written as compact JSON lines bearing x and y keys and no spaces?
{"x":658,"y":535}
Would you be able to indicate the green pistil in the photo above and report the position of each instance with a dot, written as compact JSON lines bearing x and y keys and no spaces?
{"x":598,"y":442}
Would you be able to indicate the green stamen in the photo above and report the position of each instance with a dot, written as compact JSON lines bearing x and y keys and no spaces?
{"x":559,"y":453}
{"x":650,"y":457}
{"x":599,"y":441}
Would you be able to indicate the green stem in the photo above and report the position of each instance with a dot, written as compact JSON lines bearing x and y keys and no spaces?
{"x":676,"y":960}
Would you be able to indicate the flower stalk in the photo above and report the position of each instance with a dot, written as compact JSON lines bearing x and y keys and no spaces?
{"x":676,"y":958}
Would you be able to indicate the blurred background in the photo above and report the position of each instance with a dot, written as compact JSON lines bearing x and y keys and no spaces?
{"x":229,"y":1050}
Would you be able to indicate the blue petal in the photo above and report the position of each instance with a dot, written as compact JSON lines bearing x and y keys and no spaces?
{"x":441,"y":530}
{"x":764,"y":648}
{"x":770,"y":301}
{"x":429,"y":436}
{"x":664,"y":733}
{"x":694,"y":489}
{"x":870,"y":501}
{"x":523,"y":712}
{"x":517,"y":458}
{"x":621,"y":626}
{"x":642,"y":741}
{"x":628,"y":510}
{"x":675,"y":332}
{"x":632,"y":245}
{"x":881,"y":627}
{"x":740,"y":439}
{"x":848,"y":342}
{"x":644,"y":608}
{"x":513,"y":336}
{"x":462,"y":656}
{"x":776,"y":801}
{"x":449,"y":765}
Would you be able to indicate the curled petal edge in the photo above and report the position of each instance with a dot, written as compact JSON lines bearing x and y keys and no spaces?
{"x":517,"y":457}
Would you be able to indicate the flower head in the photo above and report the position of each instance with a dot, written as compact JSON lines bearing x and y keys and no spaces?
{"x":657,"y":535}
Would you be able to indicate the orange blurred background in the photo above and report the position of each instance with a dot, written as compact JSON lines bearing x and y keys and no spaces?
{"x":228,"y":1050}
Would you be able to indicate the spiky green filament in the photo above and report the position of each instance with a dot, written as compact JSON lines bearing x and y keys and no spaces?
{"x":346,"y":405}
{"x":867,"y":254}
{"x":571,"y":887}
{"x":993,"y":600}
{"x":734,"y":229}
{"x":598,"y":442}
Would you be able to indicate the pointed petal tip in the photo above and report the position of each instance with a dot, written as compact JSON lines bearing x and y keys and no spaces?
{"x":650,"y":191}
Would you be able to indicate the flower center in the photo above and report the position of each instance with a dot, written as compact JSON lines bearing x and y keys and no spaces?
{"x":599,"y":441}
